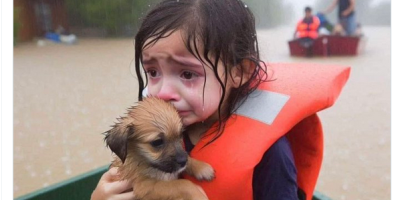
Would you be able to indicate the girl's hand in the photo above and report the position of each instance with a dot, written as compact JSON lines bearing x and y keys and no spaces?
{"x":109,"y":188}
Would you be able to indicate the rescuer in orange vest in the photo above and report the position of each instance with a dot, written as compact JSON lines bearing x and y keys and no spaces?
{"x":307,"y":30}
{"x":254,"y":123}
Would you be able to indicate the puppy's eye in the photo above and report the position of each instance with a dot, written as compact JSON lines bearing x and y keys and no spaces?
{"x":157,"y":143}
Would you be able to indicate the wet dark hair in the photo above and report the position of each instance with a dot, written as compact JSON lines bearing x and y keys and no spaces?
{"x":307,"y":9}
{"x":213,"y":31}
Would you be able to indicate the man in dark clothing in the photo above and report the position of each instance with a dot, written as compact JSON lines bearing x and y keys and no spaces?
{"x":346,"y":15}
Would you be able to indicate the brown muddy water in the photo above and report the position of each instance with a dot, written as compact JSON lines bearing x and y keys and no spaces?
{"x":66,"y":96}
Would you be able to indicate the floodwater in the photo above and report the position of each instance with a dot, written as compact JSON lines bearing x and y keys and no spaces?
{"x":66,"y":96}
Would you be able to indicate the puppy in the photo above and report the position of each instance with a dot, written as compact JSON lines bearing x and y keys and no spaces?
{"x":148,"y":146}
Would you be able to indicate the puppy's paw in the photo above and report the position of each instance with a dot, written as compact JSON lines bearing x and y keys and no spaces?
{"x":205,"y":172}
{"x":200,"y":170}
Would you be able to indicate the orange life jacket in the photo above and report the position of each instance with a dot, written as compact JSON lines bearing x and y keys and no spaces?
{"x":308,"y":29}
{"x":286,"y":105}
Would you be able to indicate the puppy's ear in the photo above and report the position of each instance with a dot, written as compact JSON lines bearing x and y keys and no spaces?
{"x":117,"y":140}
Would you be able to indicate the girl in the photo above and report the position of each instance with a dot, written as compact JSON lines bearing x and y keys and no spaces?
{"x":203,"y":57}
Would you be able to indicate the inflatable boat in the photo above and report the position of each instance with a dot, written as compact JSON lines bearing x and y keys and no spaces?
{"x":329,"y":45}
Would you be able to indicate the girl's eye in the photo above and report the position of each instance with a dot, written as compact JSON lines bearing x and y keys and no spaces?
{"x":187,"y":75}
{"x":152,"y":73}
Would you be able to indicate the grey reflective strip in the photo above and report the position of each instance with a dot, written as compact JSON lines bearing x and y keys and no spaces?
{"x":263,"y":106}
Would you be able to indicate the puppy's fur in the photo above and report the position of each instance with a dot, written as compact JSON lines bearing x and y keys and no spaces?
{"x":148,"y":143}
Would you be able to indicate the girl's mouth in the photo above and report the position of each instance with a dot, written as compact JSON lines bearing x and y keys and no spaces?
{"x":183,"y":113}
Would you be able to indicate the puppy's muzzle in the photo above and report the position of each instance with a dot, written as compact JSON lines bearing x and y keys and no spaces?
{"x":181,"y":159}
{"x":174,"y":163}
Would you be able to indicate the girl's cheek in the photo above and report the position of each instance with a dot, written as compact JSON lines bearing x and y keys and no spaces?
{"x":152,"y":88}
{"x":191,"y":87}
{"x":195,"y":83}
{"x":196,"y":91}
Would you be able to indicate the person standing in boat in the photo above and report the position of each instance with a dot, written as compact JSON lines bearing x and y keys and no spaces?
{"x":307,"y":30}
{"x":346,"y":15}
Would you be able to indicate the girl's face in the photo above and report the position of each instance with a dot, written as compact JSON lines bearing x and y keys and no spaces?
{"x":176,"y":76}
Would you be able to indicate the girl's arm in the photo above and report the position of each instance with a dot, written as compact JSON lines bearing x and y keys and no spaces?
{"x":275,"y":177}
{"x":109,"y":188}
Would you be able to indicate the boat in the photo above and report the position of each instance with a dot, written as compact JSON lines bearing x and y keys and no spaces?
{"x":82,"y":186}
{"x":330,"y":45}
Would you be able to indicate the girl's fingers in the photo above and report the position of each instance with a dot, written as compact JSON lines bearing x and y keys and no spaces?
{"x":110,"y":188}
{"x":124,"y":196}
{"x":114,"y":186}
{"x":119,"y":187}
{"x":110,"y":175}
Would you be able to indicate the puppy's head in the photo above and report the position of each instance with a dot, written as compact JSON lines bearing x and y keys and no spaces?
{"x":151,"y":134}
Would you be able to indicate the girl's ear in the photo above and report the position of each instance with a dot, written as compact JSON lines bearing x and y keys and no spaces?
{"x":242,"y":72}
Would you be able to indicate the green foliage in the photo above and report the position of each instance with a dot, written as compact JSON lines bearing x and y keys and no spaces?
{"x":111,"y":15}
{"x":17,"y":24}
{"x":115,"y":16}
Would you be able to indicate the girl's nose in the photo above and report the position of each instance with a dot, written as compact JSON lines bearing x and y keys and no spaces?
{"x":168,"y":92}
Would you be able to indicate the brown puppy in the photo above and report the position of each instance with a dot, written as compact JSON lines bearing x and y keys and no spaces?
{"x":148,"y":143}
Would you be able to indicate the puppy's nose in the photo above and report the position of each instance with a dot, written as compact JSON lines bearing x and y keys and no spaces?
{"x":181,"y":160}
